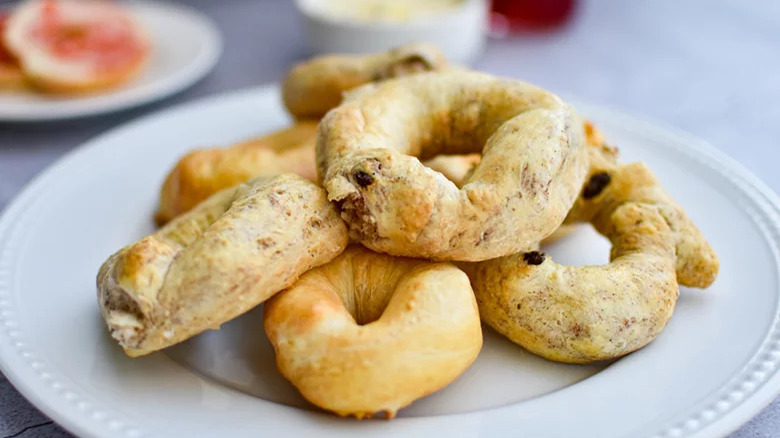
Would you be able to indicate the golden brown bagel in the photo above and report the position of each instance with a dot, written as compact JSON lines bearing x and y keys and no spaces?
{"x":313,"y":87}
{"x":580,"y":314}
{"x":533,"y":164}
{"x":203,"y":172}
{"x":221,"y":259}
{"x":368,"y":332}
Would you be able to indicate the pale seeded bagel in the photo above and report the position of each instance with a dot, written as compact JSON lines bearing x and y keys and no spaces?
{"x":202,"y":172}
{"x":369,"y":333}
{"x":580,"y":314}
{"x":533,"y":164}
{"x":315,"y":86}
{"x":221,"y":259}
{"x":590,"y":313}
{"x":610,"y":184}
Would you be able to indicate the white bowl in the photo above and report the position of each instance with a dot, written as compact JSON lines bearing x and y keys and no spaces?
{"x":459,"y":31}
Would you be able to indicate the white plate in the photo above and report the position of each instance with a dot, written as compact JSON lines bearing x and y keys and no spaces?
{"x":186,"y":46}
{"x":712,"y":368}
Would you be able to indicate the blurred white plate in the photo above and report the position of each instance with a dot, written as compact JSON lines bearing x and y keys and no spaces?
{"x":713,"y":367}
{"x":186,"y":46}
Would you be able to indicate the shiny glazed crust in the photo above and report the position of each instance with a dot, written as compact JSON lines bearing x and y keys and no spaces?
{"x":315,"y":86}
{"x":368,"y":332}
{"x":221,"y":259}
{"x":533,"y":164}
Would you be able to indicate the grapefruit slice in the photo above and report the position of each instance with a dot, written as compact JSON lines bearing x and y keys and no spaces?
{"x":11,"y":76}
{"x":75,"y":46}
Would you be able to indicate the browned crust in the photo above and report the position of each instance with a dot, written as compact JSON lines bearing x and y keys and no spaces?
{"x":370,"y":333}
{"x":203,"y":172}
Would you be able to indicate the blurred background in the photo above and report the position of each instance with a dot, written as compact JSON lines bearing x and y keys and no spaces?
{"x":710,"y":67}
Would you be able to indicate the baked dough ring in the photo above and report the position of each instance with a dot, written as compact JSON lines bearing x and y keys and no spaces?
{"x":458,"y":169}
{"x":201,"y":173}
{"x":585,"y":313}
{"x":309,"y":90}
{"x":313,"y":87}
{"x":368,"y":332}
{"x":533,"y":164}
{"x":221,"y":259}
{"x":610,"y":184}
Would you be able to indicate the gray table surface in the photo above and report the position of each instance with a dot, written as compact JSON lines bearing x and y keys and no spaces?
{"x":709,"y":67}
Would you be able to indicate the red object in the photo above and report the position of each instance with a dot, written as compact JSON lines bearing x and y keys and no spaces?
{"x":533,"y":14}
{"x":107,"y":40}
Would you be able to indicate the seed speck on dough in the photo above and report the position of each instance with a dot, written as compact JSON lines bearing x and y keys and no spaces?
{"x":596,"y":185}
{"x":363,"y":178}
{"x":533,"y":257}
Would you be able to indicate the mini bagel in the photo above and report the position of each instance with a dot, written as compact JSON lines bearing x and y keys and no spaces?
{"x":203,"y":172}
{"x":590,"y":313}
{"x":368,"y":332}
{"x":586,"y":313}
{"x":313,"y":87}
{"x":610,"y":184}
{"x":533,"y":164}
{"x":218,"y":261}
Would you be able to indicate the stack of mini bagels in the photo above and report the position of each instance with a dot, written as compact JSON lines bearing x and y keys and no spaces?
{"x":404,"y":207}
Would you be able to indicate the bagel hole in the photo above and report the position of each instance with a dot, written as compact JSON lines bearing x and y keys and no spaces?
{"x":373,"y":283}
{"x":456,"y":168}
{"x":369,"y":302}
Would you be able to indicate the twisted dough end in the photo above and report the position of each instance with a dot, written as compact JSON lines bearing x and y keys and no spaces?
{"x":221,"y":259}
